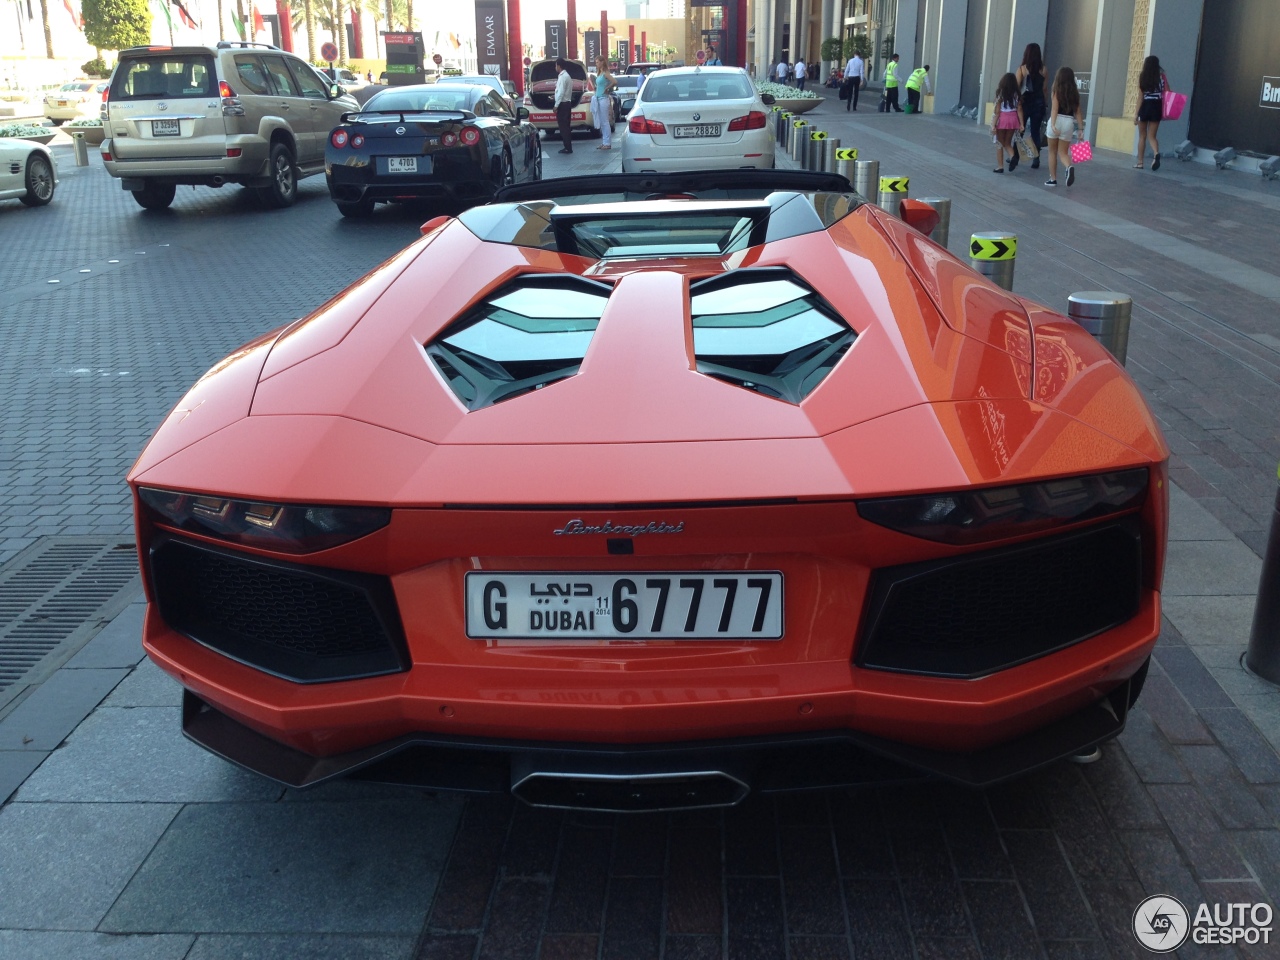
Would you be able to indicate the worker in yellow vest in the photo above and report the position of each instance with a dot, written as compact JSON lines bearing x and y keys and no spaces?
{"x":918,"y":80}
{"x":891,"y":85}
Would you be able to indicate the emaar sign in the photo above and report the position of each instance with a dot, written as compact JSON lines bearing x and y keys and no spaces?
{"x":1270,"y":93}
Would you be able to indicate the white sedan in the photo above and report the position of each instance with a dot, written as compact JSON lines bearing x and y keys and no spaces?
{"x":697,"y":118}
{"x":75,"y":100}
{"x":27,"y":171}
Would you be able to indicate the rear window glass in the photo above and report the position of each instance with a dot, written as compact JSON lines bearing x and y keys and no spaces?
{"x":164,"y":77}
{"x":696,"y":86}
{"x":420,"y":100}
{"x":80,"y":87}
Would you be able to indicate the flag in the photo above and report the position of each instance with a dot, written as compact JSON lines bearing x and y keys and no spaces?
{"x":239,"y":25}
{"x":164,"y":6}
{"x":454,"y":41}
{"x":76,"y":20}
{"x":258,"y":25}
{"x":184,"y":15}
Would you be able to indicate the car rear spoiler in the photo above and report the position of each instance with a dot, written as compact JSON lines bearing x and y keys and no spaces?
{"x":451,"y":114}
{"x":690,"y":183}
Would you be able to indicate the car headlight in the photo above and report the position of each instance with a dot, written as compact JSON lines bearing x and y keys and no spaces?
{"x":286,"y":527}
{"x":997,"y":513}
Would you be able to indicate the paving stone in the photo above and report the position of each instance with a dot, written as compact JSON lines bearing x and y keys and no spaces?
{"x":1207,"y":847}
{"x":1261,"y":850}
{"x":118,"y":644}
{"x":947,"y":949}
{"x":750,"y":846}
{"x":1224,"y":787}
{"x":53,"y":945}
{"x":1148,"y":750}
{"x":632,"y":924}
{"x":473,"y":864}
{"x":692,"y":948}
{"x":566,"y":946}
{"x":1188,"y":520}
{"x":1171,"y":713}
{"x":146,"y":686}
{"x":862,"y":842}
{"x":1000,"y":920}
{"x":972,"y":838}
{"x":53,"y":709}
{"x":1253,"y":755}
{"x":811,"y":881}
{"x":1057,"y":908}
{"x":449,"y":946}
{"x":640,"y":845}
{"x":694,"y":882}
{"x":1210,"y":568}
{"x":136,"y":755}
{"x":1192,"y":680}
{"x":66,"y":863}
{"x":1120,"y":792}
{"x":1113,"y":903}
{"x":15,"y":767}
{"x":877,"y":924}
{"x":577,"y":898}
{"x":313,"y":947}
{"x":292,"y":868}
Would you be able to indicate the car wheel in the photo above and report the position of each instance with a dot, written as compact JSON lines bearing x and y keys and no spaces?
{"x":506,"y":170}
{"x":155,"y":196}
{"x":284,"y":178}
{"x":56,"y":123}
{"x":39,"y":181}
{"x":356,"y":209}
{"x":537,"y":162}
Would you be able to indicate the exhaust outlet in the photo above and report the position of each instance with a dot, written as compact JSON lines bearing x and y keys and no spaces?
{"x":629,"y":792}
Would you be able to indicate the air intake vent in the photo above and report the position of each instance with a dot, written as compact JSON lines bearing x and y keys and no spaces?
{"x":766,"y":330}
{"x":522,"y":337}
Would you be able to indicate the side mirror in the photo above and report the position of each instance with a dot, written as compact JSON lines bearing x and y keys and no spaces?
{"x":335,"y":91}
{"x":918,"y":214}
{"x":767,"y":98}
{"x":522,"y":113}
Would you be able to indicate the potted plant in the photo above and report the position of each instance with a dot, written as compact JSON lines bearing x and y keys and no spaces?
{"x":27,"y":131}
{"x":91,"y":128}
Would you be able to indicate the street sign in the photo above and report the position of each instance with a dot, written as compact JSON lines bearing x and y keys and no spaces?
{"x":818,"y":135}
{"x":702,"y":55}
{"x":846,"y":153}
{"x":437,"y":59}
{"x":329,"y":52}
{"x":528,"y":62}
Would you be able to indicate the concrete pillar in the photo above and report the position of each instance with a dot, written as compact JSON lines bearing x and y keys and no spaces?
{"x":905,"y":39}
{"x":946,"y":69}
{"x":1173,"y":34}
{"x":1030,"y":21}
{"x":1111,"y":52}
{"x":828,"y":15}
{"x":995,"y":53}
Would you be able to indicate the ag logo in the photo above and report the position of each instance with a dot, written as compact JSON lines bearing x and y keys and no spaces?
{"x":1161,"y":924}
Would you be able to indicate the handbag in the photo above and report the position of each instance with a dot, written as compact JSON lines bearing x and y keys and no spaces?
{"x":1173,"y":104}
{"x":846,"y":88}
{"x":1081,"y":151}
{"x":1025,"y":146}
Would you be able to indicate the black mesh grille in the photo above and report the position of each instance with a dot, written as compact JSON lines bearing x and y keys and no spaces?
{"x":979,"y":613}
{"x":305,"y":624}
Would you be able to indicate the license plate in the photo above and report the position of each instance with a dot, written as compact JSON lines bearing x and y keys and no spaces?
{"x":402,"y":164}
{"x":63,"y":103}
{"x":664,"y":605}
{"x":698,"y":130}
{"x":165,"y":128}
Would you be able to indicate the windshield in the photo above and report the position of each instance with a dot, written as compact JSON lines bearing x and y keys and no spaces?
{"x":418,"y":101}
{"x":665,"y":88}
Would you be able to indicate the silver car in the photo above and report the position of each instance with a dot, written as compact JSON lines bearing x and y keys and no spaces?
{"x":245,"y":113}
{"x":697,"y":118}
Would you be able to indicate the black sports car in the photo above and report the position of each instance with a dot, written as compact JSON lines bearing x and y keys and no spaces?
{"x":429,"y":141}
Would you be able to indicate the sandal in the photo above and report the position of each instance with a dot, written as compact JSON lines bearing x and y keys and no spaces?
{"x":1137,"y":166}
{"x":998,"y":170}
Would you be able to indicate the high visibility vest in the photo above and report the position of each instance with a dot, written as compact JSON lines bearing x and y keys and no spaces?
{"x":891,"y":74}
{"x":916,"y":80}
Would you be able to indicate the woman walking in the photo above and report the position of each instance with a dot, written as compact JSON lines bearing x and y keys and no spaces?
{"x":1006,"y":119}
{"x":1152,"y":85}
{"x":1032,"y":76}
{"x":602,"y":102}
{"x":1065,"y":119}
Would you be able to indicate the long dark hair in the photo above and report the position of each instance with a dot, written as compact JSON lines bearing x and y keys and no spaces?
{"x":1007,"y":91}
{"x":1032,"y":59}
{"x":1149,"y":79}
{"x":1065,"y":89}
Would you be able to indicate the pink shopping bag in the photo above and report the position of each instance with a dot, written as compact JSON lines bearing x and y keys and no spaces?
{"x":1173,"y":104}
{"x":1081,"y":151}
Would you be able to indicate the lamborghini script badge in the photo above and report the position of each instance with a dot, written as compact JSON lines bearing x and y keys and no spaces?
{"x":616,"y":529}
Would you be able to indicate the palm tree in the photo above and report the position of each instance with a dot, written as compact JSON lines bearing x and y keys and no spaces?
{"x":341,"y":31}
{"x":221,"y":32}
{"x":48,"y":34}
{"x":309,"y":12}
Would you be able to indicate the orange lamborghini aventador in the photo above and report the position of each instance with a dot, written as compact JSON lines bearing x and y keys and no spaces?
{"x":645,"y":492}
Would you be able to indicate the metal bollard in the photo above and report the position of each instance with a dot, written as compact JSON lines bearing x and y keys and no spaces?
{"x":784,"y":131}
{"x":942,"y":231}
{"x":81,"y":148}
{"x":992,"y":255}
{"x":893,"y":190}
{"x":1263,"y":654}
{"x":866,"y":177}
{"x":813,"y":157}
{"x":799,"y":140}
{"x":1105,"y":315}
{"x":829,"y":148}
{"x":846,"y":158}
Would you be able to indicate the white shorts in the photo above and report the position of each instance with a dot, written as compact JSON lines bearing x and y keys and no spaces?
{"x":1062,"y":127}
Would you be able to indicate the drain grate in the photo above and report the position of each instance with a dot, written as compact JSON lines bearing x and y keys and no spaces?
{"x":54,"y":596}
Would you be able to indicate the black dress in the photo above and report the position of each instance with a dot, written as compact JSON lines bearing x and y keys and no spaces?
{"x":1034,"y":107}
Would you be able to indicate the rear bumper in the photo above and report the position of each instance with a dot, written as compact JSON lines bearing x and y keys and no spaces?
{"x":349,"y":188}
{"x":213,"y":170}
{"x":579,"y":119}
{"x":657,"y":776}
{"x":654,"y":161}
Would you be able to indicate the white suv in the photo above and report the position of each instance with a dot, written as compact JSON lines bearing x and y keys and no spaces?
{"x":245,"y":113}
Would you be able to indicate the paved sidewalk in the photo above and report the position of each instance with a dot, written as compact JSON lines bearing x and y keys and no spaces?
{"x":119,"y":839}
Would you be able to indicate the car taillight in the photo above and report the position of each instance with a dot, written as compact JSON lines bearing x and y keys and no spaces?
{"x":996,"y":513}
{"x":752,"y":121}
{"x":641,"y":124}
{"x":449,"y":139}
{"x":469,"y":136}
{"x":231,"y":105}
{"x":338,"y":138}
{"x":224,"y":89}
{"x":291,"y":528}
{"x":357,"y":141}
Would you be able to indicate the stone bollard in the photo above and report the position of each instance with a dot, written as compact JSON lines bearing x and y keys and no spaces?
{"x":866,"y":177}
{"x":1106,"y":316}
{"x":992,"y":255}
{"x":942,"y":231}
{"x":1263,"y":654}
{"x":893,"y":190}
